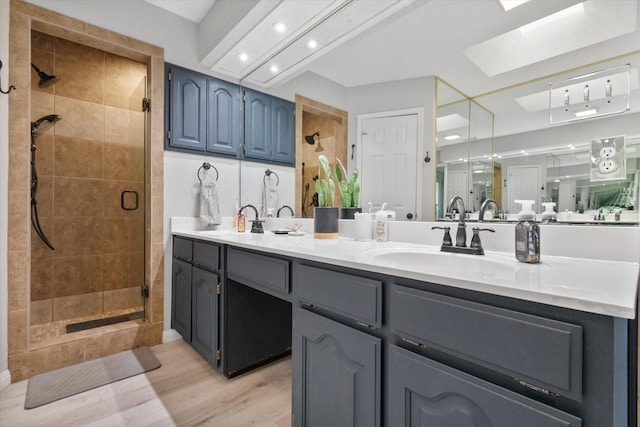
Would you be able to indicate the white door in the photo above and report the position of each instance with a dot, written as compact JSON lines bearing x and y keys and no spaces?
{"x":523,"y":184}
{"x":388,"y":158}
{"x":457,"y":184}
{"x":567,"y":196}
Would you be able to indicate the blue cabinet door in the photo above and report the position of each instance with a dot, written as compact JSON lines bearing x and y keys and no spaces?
{"x":283,"y":127}
{"x":223,"y":117}
{"x":181,"y":298}
{"x":188,"y":109}
{"x":257,"y":125}
{"x":205,"y":314}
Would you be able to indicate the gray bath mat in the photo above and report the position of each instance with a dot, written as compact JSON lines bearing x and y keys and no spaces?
{"x":65,"y":382}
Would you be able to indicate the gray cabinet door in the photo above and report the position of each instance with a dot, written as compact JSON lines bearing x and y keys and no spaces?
{"x":188,"y":109}
{"x":223,"y":117}
{"x":181,"y":298}
{"x":422,"y":392}
{"x":336,"y":373}
{"x":205,"y":314}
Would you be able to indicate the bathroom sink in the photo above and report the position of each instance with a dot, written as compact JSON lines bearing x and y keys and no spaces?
{"x":432,"y":261}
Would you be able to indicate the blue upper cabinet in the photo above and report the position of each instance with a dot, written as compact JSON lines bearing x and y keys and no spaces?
{"x":205,"y":114}
{"x":223,"y":117}
{"x":283,"y":127}
{"x":269,"y":128}
{"x":187,"y":127}
{"x":257,"y":125}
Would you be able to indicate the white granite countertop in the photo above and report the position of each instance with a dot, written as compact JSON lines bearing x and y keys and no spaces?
{"x":591,"y":285}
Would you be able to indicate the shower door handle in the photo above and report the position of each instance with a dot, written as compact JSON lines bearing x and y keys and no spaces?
{"x":122,"y":200}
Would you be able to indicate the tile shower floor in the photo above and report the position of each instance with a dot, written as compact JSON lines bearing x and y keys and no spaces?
{"x":46,"y":334}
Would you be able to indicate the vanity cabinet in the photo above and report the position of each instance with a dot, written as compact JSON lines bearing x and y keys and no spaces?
{"x":269,"y":128}
{"x":256,"y":310}
{"x":336,"y":367}
{"x":202,"y":113}
{"x":336,"y":373}
{"x":195,"y":295}
{"x":423,"y":392}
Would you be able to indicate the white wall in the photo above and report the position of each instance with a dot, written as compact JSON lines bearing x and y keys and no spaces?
{"x":5,"y":378}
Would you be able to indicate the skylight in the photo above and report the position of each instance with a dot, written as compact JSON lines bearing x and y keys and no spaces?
{"x":573,"y":28}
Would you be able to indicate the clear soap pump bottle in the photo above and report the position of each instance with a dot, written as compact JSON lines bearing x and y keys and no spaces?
{"x":527,"y":234}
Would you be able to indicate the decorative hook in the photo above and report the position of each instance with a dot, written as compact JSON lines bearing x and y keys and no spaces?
{"x":12,"y":87}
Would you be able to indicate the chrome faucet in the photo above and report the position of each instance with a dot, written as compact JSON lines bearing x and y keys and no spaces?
{"x":256,"y":224}
{"x":461,"y":234}
{"x":483,"y":208}
{"x":285,"y":207}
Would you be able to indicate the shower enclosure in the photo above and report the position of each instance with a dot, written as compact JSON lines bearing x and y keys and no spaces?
{"x":88,"y":188}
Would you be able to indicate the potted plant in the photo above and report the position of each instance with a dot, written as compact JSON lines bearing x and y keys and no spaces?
{"x":349,"y":191}
{"x":325,"y":215}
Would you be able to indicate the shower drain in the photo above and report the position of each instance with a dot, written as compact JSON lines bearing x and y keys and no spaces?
{"x":90,"y":324}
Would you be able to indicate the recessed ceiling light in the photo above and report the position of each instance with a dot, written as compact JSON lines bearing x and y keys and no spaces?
{"x":279,"y":27}
{"x":274,"y":68}
{"x":312,"y":44}
{"x":243,"y":57}
{"x":586,"y":113}
{"x":452,"y":137}
{"x":507,"y":5}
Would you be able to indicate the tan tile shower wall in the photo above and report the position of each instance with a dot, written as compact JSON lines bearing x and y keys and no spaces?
{"x":26,"y":358}
{"x":94,"y":153}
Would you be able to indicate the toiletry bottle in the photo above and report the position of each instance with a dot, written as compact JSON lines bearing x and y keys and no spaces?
{"x":241,"y":222}
{"x":380,"y":230}
{"x":549,"y":215}
{"x":527,"y":234}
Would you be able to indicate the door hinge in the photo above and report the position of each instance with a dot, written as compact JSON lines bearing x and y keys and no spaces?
{"x":219,"y":288}
{"x":169,"y":76}
{"x":144,"y":291}
{"x":218,"y":355}
{"x":146,"y":104}
{"x":168,"y":134}
{"x":537,"y":388}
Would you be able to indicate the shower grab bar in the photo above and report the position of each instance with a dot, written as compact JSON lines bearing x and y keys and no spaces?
{"x":206,"y":166}
{"x":122,"y":197}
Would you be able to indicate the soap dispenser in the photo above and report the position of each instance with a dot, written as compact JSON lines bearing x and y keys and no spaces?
{"x":527,"y":234}
{"x":549,"y":215}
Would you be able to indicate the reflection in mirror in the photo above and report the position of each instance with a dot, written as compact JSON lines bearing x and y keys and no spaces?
{"x":464,"y":139}
{"x":559,"y":162}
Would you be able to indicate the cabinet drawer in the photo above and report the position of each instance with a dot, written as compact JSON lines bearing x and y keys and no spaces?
{"x":258,"y":270}
{"x":423,"y":392}
{"x":182,"y":248}
{"x":541,"y":352}
{"x":206,"y":255}
{"x":351,"y":296}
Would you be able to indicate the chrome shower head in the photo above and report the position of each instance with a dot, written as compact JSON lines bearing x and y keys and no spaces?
{"x":46,"y":80}
{"x":311,"y":138}
{"x":41,"y":125}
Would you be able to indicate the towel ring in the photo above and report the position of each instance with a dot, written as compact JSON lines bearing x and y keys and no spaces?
{"x":207,"y":166}
{"x":267,"y":173}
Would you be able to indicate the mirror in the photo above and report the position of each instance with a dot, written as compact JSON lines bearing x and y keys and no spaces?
{"x":505,"y":140}
{"x":560,"y":158}
{"x":464,"y":139}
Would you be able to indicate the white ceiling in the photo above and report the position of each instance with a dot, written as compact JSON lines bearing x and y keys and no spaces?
{"x":430,"y":37}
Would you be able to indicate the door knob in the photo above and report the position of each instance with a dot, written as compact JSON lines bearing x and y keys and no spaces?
{"x":409,"y":215}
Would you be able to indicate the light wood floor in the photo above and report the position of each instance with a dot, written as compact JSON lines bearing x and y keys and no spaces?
{"x":184,"y":391}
